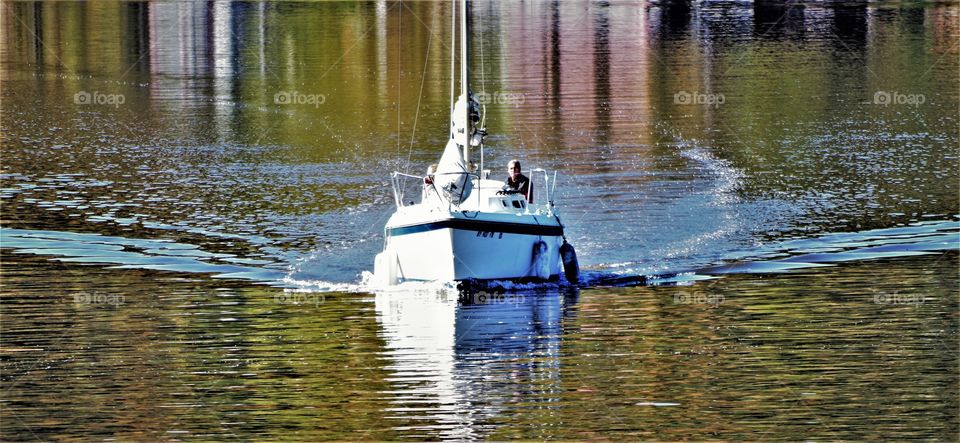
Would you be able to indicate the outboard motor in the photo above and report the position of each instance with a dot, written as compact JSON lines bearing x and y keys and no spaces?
{"x":571,"y":268}
{"x":541,"y":261}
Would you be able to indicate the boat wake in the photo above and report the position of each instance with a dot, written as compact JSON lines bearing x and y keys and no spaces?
{"x":923,"y":238}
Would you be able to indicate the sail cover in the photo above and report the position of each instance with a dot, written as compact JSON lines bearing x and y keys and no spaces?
{"x":451,"y":176}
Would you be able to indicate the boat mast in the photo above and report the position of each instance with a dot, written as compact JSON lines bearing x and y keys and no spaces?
{"x":453,"y":58}
{"x":464,"y":87}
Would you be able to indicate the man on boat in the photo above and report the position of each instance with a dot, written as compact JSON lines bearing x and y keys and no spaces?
{"x":517,"y":181}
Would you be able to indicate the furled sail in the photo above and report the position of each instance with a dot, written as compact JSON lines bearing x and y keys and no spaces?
{"x":452,"y":177}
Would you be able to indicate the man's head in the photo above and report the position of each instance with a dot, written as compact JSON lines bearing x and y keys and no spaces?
{"x":513,"y":168}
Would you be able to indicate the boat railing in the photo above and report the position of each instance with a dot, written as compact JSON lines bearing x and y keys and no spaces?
{"x":403,"y":189}
{"x":542,"y":196}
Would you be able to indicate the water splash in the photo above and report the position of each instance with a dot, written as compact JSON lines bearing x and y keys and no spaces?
{"x":924,"y":238}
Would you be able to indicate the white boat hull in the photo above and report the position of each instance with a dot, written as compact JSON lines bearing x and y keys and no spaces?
{"x":485,"y":247}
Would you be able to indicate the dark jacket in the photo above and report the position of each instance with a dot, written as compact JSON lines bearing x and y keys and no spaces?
{"x":522,"y":183}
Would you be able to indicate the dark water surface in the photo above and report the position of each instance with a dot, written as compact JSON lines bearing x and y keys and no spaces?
{"x":183,"y":252}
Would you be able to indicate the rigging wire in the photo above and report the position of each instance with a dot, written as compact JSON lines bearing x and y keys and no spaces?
{"x":423,"y":76}
{"x":483,"y":82}
{"x":399,"y":66}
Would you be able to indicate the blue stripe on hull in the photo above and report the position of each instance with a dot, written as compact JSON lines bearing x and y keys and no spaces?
{"x":480,"y":226}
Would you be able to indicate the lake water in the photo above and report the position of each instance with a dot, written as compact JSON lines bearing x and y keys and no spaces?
{"x":765,"y":200}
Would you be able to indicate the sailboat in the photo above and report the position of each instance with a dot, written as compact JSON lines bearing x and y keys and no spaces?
{"x":466,"y":226}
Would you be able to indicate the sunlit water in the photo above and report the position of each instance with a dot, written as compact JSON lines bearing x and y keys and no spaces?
{"x":763,"y":199}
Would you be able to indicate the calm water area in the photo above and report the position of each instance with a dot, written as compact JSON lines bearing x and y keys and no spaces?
{"x":764,"y":197}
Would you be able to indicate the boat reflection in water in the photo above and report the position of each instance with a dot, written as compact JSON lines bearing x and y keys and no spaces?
{"x":460,"y":361}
